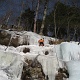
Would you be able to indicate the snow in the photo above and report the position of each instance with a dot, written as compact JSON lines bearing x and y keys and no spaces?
{"x":12,"y":59}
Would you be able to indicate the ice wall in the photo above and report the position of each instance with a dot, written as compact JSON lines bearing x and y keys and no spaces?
{"x":10,"y":66}
{"x":29,"y":37}
{"x":49,"y":65}
{"x":50,"y":62}
{"x":73,"y":69}
{"x":67,"y":52}
{"x":71,"y":56}
{"x":70,"y":51}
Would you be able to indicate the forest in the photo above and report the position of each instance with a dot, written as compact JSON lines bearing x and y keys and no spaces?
{"x":59,"y":19}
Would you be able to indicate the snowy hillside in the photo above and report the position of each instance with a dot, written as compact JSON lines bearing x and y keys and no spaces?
{"x":66,"y":54}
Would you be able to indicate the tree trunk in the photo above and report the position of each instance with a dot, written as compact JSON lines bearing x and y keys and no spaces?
{"x":36,"y":16}
{"x":55,"y":27}
{"x":68,"y":35}
{"x":44,"y":16}
{"x":68,"y":31}
{"x":7,"y":20}
{"x":55,"y":23}
{"x":20,"y":15}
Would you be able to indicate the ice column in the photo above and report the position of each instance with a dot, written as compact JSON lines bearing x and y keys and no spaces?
{"x":71,"y":56}
{"x":10,"y":66}
{"x":74,"y":70}
{"x":49,"y":65}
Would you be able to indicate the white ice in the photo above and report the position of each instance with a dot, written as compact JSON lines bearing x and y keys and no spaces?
{"x":11,"y":60}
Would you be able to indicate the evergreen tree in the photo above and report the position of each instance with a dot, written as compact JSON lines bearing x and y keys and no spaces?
{"x":27,"y":19}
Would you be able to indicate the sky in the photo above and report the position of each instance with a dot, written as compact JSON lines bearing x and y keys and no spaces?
{"x":15,"y":6}
{"x":10,"y":6}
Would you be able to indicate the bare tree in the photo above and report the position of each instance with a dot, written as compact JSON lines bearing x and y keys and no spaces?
{"x":21,"y":14}
{"x":6,"y":17}
{"x":75,"y":2}
{"x":55,"y":20}
{"x":35,"y":19}
{"x":44,"y":16}
{"x":70,"y":18}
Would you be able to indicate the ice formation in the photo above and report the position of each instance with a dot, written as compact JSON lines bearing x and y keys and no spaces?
{"x":10,"y":66}
{"x":71,"y":56}
{"x":11,"y":60}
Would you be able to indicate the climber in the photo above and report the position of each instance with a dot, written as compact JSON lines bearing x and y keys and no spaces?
{"x":41,"y":42}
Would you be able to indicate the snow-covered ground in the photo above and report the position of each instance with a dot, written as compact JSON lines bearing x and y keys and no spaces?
{"x":12,"y":59}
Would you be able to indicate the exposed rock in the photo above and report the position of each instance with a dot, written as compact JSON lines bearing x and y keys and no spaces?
{"x":46,"y":52}
{"x":62,"y":73}
{"x":3,"y":34}
{"x":14,"y":41}
{"x":4,"y":37}
{"x":31,"y":73}
{"x":25,"y":50}
{"x":51,"y":42}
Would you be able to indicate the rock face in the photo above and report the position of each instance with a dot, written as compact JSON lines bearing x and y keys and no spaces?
{"x":17,"y":40}
{"x":14,"y":42}
{"x":33,"y":71}
{"x":26,"y":50}
{"x":4,"y":37}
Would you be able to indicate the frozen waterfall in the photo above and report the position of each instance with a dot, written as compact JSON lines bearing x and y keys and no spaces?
{"x":10,"y":66}
{"x":71,"y":56}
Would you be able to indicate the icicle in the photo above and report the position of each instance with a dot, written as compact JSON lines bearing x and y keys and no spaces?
{"x":9,"y":43}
